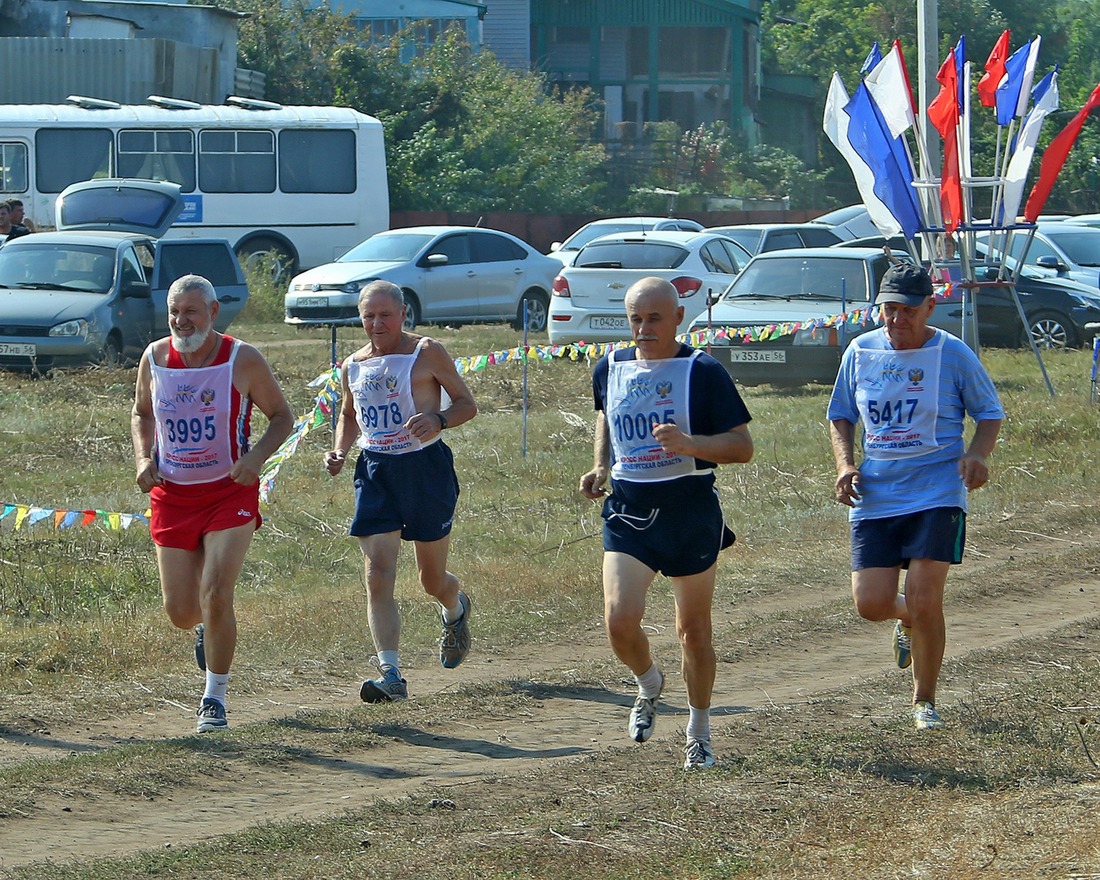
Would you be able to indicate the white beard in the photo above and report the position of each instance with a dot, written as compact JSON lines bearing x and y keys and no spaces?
{"x":192,"y":343}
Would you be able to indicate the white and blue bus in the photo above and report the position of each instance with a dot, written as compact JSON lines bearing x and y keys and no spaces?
{"x":304,"y":184}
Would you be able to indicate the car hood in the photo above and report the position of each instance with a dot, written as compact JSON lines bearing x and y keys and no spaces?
{"x":337,"y":274}
{"x":45,"y":308}
{"x":743,"y":311}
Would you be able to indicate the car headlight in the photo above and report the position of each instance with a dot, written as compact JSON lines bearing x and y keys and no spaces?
{"x":79,"y":327}
{"x":352,"y":287}
{"x":815,"y":336}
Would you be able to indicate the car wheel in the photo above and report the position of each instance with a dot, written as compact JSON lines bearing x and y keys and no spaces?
{"x":264,"y":252}
{"x":412,"y":311}
{"x":111,"y":356}
{"x":538,"y":307}
{"x":1051,"y":330}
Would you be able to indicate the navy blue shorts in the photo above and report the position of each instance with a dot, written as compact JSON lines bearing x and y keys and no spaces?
{"x":414,"y":493}
{"x":680,"y":536}
{"x":938,"y":534}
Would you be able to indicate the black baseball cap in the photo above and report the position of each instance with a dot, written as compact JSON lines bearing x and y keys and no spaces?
{"x":906,"y":284}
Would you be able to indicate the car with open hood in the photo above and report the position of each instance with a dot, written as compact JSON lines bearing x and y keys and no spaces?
{"x":96,"y":289}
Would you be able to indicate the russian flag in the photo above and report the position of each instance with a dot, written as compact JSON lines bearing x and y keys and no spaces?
{"x":1013,"y":92}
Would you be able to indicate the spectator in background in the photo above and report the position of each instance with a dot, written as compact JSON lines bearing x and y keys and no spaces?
{"x":18,"y":217}
{"x":8,"y":230}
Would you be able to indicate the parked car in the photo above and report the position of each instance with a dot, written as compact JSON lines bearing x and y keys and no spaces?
{"x":97,"y":288}
{"x":588,"y":294}
{"x":794,"y":286}
{"x":1064,"y":249}
{"x":1058,"y":310}
{"x":566,"y":250}
{"x":853,"y":221}
{"x":449,"y":275}
{"x":759,"y":238}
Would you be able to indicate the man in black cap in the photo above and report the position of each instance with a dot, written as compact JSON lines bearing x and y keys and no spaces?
{"x":911,"y":387}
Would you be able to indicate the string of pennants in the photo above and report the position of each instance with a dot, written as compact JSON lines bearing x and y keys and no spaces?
{"x":327,"y":400}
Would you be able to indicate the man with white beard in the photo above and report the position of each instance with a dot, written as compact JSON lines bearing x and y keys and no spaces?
{"x":194,"y":456}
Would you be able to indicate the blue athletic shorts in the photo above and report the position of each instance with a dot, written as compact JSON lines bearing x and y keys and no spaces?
{"x":675,"y":527}
{"x":414,"y":493}
{"x":938,"y":534}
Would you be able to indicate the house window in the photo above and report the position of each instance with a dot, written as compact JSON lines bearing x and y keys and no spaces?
{"x":691,"y":51}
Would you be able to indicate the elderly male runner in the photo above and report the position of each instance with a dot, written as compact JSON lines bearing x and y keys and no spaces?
{"x":191,"y":425}
{"x":667,"y":414}
{"x":911,"y":387}
{"x":405,"y":481}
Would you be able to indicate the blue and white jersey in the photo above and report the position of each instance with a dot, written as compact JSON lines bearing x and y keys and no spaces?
{"x":912,"y":406}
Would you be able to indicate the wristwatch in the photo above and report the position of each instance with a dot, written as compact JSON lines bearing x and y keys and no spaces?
{"x":442,"y":421}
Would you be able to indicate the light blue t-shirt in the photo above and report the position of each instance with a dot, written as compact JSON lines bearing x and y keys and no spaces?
{"x":896,"y":486}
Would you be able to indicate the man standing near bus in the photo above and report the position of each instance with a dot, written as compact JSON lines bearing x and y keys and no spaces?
{"x":192,"y":449}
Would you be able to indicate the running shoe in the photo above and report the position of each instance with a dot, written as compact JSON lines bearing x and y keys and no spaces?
{"x":644,"y":715}
{"x":902,"y":646}
{"x":698,"y":755}
{"x":211,"y":715}
{"x":389,"y":688}
{"x":454,"y":644}
{"x":925,"y":716}
{"x":200,"y":646}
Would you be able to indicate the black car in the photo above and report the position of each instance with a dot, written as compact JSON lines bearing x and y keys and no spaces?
{"x":1058,"y":310}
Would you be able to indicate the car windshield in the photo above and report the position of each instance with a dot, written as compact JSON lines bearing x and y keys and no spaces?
{"x":586,"y":233}
{"x":630,"y":255}
{"x":1081,"y":246}
{"x":86,"y":269}
{"x":395,"y":248}
{"x":824,"y":277}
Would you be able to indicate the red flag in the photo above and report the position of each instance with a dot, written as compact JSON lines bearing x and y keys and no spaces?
{"x":943,"y":113}
{"x":1054,"y":157}
{"x":994,"y":71}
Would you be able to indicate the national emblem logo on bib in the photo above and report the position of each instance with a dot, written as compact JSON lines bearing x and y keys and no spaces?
{"x":207,"y":396}
{"x":916,"y":375}
{"x":664,"y":388}
{"x":391,"y":383}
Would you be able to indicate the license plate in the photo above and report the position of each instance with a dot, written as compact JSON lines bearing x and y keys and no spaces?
{"x":313,"y":302}
{"x":754,"y":356}
{"x":603,"y":322}
{"x":18,"y":349}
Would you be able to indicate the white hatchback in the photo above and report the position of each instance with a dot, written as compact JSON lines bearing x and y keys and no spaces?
{"x":587,"y":305}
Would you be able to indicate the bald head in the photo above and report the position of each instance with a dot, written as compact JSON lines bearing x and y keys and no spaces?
{"x":654,"y":293}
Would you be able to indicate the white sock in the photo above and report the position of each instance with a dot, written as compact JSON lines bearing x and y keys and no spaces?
{"x":649,"y":682}
{"x":698,"y":724}
{"x":215,"y":686}
{"x":388,"y":658}
{"x":451,"y":615}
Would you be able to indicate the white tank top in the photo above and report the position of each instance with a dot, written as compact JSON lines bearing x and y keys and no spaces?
{"x":382,"y":389}
{"x":194,"y":410}
{"x":641,"y":394}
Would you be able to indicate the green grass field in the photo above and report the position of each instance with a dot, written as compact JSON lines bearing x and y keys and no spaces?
{"x":830,"y":785}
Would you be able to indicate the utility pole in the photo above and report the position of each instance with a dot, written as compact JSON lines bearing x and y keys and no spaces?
{"x":928,"y":51}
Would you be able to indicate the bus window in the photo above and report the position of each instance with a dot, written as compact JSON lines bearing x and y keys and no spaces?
{"x":70,"y":155}
{"x":312,"y":161}
{"x":13,"y":168}
{"x":158,"y":154}
{"x":240,"y":161}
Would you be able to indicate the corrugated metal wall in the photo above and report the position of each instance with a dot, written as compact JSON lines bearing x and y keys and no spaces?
{"x":43,"y":70}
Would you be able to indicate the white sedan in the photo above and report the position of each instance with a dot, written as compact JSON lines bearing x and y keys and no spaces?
{"x":587,"y":305}
{"x":449,"y":274}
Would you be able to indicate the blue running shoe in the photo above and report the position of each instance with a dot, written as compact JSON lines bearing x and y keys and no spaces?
{"x":454,"y":644}
{"x":390,"y":688}
{"x":211,"y":715}
{"x":902,"y":646}
{"x":200,"y":646}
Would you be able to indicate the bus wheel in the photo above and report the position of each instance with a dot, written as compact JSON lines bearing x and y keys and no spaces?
{"x":266,"y":254}
{"x":412,"y":311}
